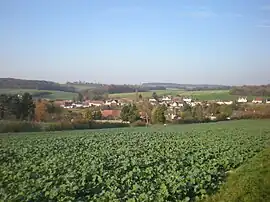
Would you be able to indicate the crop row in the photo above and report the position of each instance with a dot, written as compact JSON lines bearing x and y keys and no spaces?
{"x":124,"y":165}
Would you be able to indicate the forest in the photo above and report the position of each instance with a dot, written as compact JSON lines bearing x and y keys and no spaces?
{"x":263,"y":90}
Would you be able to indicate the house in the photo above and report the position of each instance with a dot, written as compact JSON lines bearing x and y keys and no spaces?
{"x":220,"y":103}
{"x":78,"y":105}
{"x":242,"y":100}
{"x":166,"y":99}
{"x":111,"y":102}
{"x":257,"y":101}
{"x":67,"y":104}
{"x":95,"y":103}
{"x":228,"y":102}
{"x":267,"y":101}
{"x":192,"y":104}
{"x":175,"y":104}
{"x":188,"y":100}
{"x":198,"y":103}
{"x":152,"y":100}
{"x":111,"y":113}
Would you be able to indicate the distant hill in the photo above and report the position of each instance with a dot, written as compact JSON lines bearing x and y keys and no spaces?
{"x":187,"y":86}
{"x":12,"y":83}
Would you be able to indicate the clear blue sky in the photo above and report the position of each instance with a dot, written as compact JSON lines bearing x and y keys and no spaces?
{"x":133,"y":41}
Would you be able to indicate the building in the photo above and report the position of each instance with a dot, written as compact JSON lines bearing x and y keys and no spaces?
{"x":95,"y":103}
{"x":152,"y":100}
{"x":166,"y":99}
{"x":242,"y":100}
{"x":228,"y":102}
{"x":114,"y":114}
{"x":111,"y":102}
{"x":257,"y":101}
{"x":188,"y":100}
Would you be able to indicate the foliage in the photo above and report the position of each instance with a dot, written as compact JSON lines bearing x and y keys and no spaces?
{"x":41,"y":112}
{"x":33,"y":84}
{"x":20,"y":107}
{"x":158,"y":114}
{"x":249,"y":183}
{"x":198,"y":113}
{"x":145,"y":107}
{"x":95,"y":94}
{"x":155,"y":96}
{"x":80,"y":97}
{"x":26,"y":126}
{"x":130,"y":113}
{"x":263,"y":90}
{"x":137,"y":164}
{"x":138,"y":123}
{"x":92,"y":114}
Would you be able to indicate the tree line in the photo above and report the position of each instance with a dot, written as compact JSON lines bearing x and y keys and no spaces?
{"x":17,"y":107}
{"x":263,"y":90}
{"x":34,"y":84}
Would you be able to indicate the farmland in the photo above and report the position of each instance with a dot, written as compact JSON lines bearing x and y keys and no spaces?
{"x":51,"y":94}
{"x":174,"y":163}
{"x":199,"y":95}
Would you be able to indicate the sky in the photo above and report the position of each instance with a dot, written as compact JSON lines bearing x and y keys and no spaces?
{"x":136,"y":41}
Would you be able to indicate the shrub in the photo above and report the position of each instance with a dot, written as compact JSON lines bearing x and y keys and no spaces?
{"x":138,"y":123}
{"x":19,"y":126}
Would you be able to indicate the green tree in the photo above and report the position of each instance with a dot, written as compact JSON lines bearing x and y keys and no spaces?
{"x":15,"y":106}
{"x":3,"y":105}
{"x":186,"y":107}
{"x":146,"y":108}
{"x":213,"y":108}
{"x":92,"y":114}
{"x":27,"y":107}
{"x":130,"y":113}
{"x":158,"y":114}
{"x":155,"y":96}
{"x":197,"y":112}
{"x":80,"y":97}
{"x":226,"y":110}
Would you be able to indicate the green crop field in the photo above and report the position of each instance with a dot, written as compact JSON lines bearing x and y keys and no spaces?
{"x":200,"y":95}
{"x":161,"y":163}
{"x":54,"y":94}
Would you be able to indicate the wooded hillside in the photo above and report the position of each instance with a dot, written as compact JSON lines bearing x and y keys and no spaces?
{"x":11,"y":83}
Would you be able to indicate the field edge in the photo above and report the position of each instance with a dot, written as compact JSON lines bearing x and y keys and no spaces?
{"x":248,"y":183}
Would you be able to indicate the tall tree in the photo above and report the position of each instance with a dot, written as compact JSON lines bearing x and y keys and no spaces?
{"x":3,"y":105}
{"x":27,"y":107}
{"x":15,"y":106}
{"x":197,"y":112}
{"x":146,"y":108}
{"x":92,"y":114}
{"x":158,"y":114}
{"x":155,"y":96}
{"x":130,"y":113}
{"x":41,"y":111}
{"x":80,"y":97}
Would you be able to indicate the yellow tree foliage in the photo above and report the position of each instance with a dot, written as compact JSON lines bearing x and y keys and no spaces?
{"x":41,"y":111}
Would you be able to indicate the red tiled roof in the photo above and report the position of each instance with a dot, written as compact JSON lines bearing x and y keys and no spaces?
{"x":258,"y":99}
{"x":114,"y":113}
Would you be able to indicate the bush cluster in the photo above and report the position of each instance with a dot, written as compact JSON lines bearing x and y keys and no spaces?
{"x":24,"y":126}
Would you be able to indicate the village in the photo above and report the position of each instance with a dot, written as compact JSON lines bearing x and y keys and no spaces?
{"x":111,"y":108}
